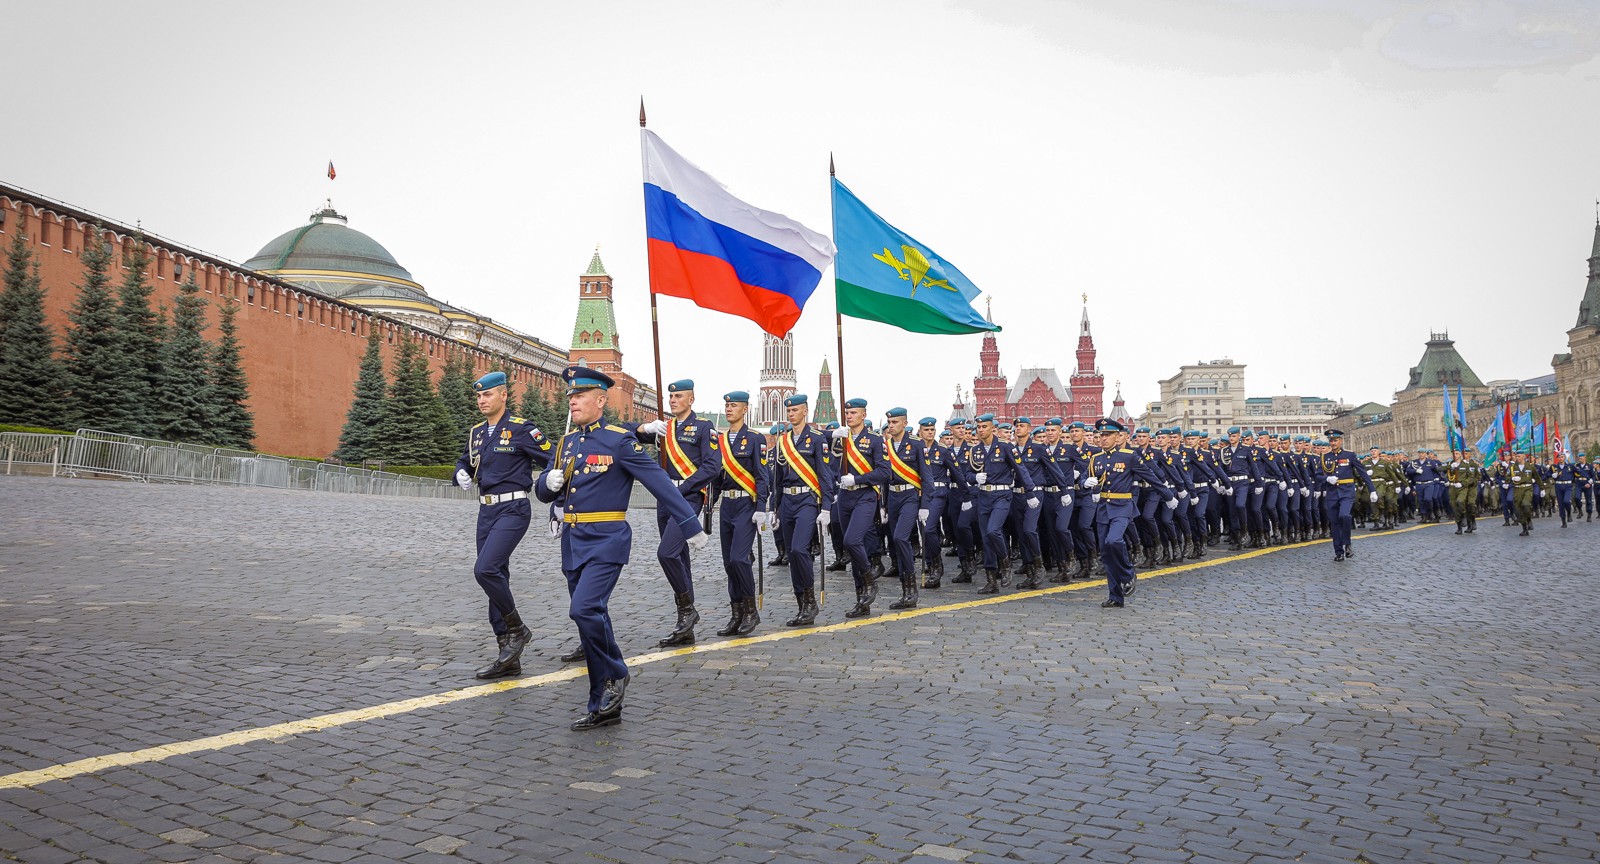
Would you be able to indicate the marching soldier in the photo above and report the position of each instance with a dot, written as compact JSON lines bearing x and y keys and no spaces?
{"x":692,"y":460}
{"x":945,"y":482}
{"x":742,"y":487}
{"x":1069,"y":468}
{"x":1112,"y":475}
{"x":996,"y":472}
{"x":1031,"y":456}
{"x":590,"y":484}
{"x":1522,"y":478}
{"x":1463,"y":476}
{"x":500,"y":454}
{"x":909,"y":483}
{"x":862,"y":469}
{"x":1340,"y":471}
{"x":1243,"y":477}
{"x":802,"y":484}
{"x":1085,"y":539}
{"x":1585,"y":485}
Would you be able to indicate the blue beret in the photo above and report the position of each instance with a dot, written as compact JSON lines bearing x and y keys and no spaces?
{"x":1006,"y":426}
{"x":832,"y":426}
{"x":779,"y":428}
{"x":895,"y":412}
{"x":957,"y":420}
{"x":1144,"y":429}
{"x":927,"y":421}
{"x":970,"y":426}
{"x":1233,"y":430}
{"x":1320,"y":442}
{"x":680,"y":385}
{"x":794,"y":399}
{"x":1334,"y":433}
{"x":856,"y":402}
{"x":985,"y":418}
{"x":867,"y":424}
{"x":1079,"y":424}
{"x":1021,"y":420}
{"x":584,"y":378}
{"x":1194,"y":433}
{"x":1106,"y":424}
{"x":736,"y":396}
{"x":1053,"y":421}
{"x":1247,"y":433}
{"x":1038,"y":431}
{"x":489,"y":382}
{"x":1283,"y":437}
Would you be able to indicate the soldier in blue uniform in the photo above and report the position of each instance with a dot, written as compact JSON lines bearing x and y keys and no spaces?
{"x":1112,"y":475}
{"x":968,"y":534}
{"x":742,"y":487}
{"x":802,"y":486}
{"x":1243,"y":476}
{"x":692,"y":460}
{"x":590,"y":483}
{"x":908,"y":483}
{"x":862,"y":468}
{"x":1085,"y":542}
{"x":1585,"y":485}
{"x":945,"y":482}
{"x":500,"y":454}
{"x":1064,"y":457}
{"x":835,"y":527}
{"x":1340,"y":472}
{"x":1031,"y":455}
{"x":996,"y":473}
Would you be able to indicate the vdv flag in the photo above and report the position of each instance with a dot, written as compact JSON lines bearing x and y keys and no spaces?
{"x":1525,"y":430}
{"x":1489,"y":444}
{"x":884,"y":274}
{"x":720,"y":252}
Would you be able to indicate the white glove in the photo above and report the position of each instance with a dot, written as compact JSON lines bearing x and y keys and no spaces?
{"x":759,"y":519}
{"x":1076,"y":475}
{"x":965,"y":506}
{"x":1217,"y":485}
{"x":883,"y":515}
{"x":1282,"y":485}
{"x":554,"y":481}
{"x":982,"y":478}
{"x":848,"y":481}
{"x":841,"y":432}
{"x":1091,"y":482}
{"x":1455,"y":464}
{"x":1066,"y":500}
{"x":1183,"y":493}
{"x":1457,"y":485}
{"x":1374,"y":497}
{"x":772,"y":520}
{"x":1172,"y":503}
{"x":463,"y":479}
{"x":654,"y":427}
{"x":1332,"y":480}
{"x":1257,"y":491}
{"x":1095,"y":498}
{"x":698,"y":541}
{"x":922,"y":515}
{"x":1033,"y":503}
{"x":824,"y":516}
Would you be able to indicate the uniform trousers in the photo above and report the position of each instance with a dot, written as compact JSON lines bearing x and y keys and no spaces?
{"x":903,"y":507}
{"x":1111,"y":525}
{"x":738,"y":539}
{"x":993,"y":509}
{"x":857,"y":508}
{"x":1564,"y":499}
{"x":1238,"y":509}
{"x":1085,"y":538}
{"x":1340,"y":500}
{"x":500,"y":529}
{"x":932,"y":532}
{"x":797,"y":517}
{"x":673,"y":551}
{"x":1025,"y":524}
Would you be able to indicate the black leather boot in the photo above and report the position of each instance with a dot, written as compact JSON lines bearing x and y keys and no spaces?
{"x":908,"y":593}
{"x":875,"y":571}
{"x":800,"y":619}
{"x":935,"y":575}
{"x":1063,"y":573}
{"x":964,"y":571}
{"x":498,"y":669}
{"x":683,"y":634}
{"x":517,"y":638}
{"x":576,"y":655}
{"x":1149,"y":562}
{"x":838,"y":564}
{"x":750,"y":620}
{"x":863,"y":606}
{"x":781,"y":560}
{"x":991,"y":584}
{"x":1030,"y":577}
{"x":737,"y":607}
{"x":1005,"y":572}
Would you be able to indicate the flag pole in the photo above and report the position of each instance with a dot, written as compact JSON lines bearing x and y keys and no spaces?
{"x":838,"y":317}
{"x":655,"y":326}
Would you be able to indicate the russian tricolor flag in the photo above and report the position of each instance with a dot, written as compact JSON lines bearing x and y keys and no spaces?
{"x":722,"y":253}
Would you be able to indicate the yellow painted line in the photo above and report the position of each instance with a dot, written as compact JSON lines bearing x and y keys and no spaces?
{"x":277,"y":731}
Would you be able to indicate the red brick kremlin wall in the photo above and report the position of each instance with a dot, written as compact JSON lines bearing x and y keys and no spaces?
{"x":301,"y":352}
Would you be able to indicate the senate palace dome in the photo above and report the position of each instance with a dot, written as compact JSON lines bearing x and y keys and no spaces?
{"x":327,"y":256}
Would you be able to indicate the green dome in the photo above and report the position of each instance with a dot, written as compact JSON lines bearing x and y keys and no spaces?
{"x":326,"y":244}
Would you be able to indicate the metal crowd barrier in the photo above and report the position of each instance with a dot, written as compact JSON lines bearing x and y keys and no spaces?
{"x":93,"y":453}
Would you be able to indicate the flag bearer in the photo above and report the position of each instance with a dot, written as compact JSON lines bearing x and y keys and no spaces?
{"x":742,"y":486}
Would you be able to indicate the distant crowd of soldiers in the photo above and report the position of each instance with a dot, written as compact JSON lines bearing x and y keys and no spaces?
{"x":1518,"y":485}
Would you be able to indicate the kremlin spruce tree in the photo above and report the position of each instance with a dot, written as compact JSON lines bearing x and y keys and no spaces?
{"x":367,"y":409}
{"x":32,"y":384}
{"x":184,"y":404}
{"x":415,"y":422}
{"x":98,"y":373}
{"x":138,"y":340}
{"x":232,"y":424}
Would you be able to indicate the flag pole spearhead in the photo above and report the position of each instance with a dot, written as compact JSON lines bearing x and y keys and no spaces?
{"x":830,"y":164}
{"x":641,"y":112}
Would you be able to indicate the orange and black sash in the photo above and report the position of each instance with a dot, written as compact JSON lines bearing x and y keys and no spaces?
{"x":679,"y":459}
{"x":799,"y":465}
{"x":854,"y":457}
{"x":899,"y":466}
{"x":740,"y":474}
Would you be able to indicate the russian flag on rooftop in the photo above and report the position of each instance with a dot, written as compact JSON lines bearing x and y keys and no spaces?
{"x":724,"y":254}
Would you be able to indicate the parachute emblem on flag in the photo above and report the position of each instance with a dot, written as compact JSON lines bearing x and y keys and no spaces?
{"x":913,"y":269}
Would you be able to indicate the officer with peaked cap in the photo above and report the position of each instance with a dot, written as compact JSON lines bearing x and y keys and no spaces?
{"x":1340,"y":472}
{"x":692,"y":460}
{"x":1112,"y":475}
{"x":590,"y":483}
{"x":500,"y":454}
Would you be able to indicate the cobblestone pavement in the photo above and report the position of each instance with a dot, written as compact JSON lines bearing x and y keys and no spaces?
{"x":1433,"y":700}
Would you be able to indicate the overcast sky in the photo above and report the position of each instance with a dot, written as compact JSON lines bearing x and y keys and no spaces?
{"x":1307,"y":186}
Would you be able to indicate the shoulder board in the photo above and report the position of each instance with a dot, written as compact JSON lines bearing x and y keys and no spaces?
{"x":612,"y":427}
{"x":518,"y":420}
{"x":481,"y":425}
